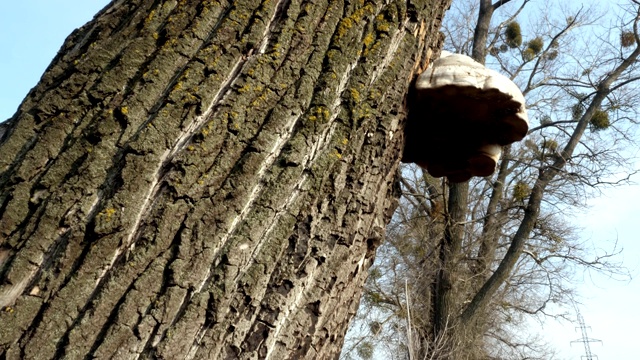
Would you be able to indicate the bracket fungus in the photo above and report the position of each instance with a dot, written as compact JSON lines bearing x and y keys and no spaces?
{"x":460,"y":115}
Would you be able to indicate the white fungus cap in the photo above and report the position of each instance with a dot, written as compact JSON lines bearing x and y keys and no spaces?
{"x":459,"y":76}
{"x":466,"y":114}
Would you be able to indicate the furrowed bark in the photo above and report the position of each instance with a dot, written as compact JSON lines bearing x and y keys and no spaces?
{"x":205,"y":180}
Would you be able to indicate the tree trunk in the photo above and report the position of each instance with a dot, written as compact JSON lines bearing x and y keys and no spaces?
{"x":481,"y":31}
{"x":445,"y":311}
{"x":445,"y":314}
{"x":449,"y":257}
{"x":493,"y":220}
{"x":205,"y":181}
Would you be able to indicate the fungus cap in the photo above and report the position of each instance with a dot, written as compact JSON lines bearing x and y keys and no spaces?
{"x":460,"y":117}
{"x":490,"y":99}
{"x":481,"y":161}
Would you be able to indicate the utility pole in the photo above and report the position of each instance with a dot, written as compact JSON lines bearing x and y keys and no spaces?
{"x":586,"y":340}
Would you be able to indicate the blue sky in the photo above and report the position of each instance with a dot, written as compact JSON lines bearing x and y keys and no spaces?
{"x":610,"y":308}
{"x":32,"y":31}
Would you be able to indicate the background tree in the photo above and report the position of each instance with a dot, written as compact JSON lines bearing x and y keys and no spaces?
{"x":205,"y":179}
{"x":480,"y":256}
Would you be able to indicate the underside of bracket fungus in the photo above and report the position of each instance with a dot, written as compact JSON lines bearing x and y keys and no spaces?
{"x":460,"y":115}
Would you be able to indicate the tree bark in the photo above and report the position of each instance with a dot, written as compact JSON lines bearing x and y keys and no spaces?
{"x":479,"y":49}
{"x":449,"y":256}
{"x":205,"y":181}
